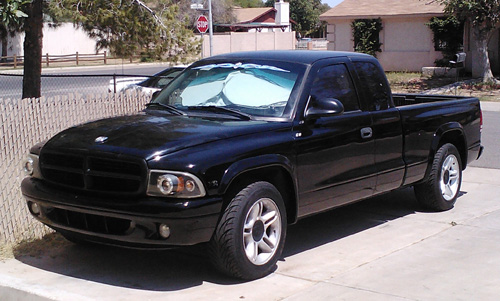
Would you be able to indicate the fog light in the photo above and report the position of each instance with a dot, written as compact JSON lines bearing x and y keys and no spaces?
{"x":35,"y":209}
{"x":28,"y":166}
{"x":164,"y":231}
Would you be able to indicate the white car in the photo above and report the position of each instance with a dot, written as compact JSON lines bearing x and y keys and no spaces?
{"x":147,"y":85}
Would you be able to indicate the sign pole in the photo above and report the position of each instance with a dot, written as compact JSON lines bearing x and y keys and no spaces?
{"x":210,"y":27}
{"x":202,"y":46}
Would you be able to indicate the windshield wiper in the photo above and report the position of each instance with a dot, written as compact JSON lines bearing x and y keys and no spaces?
{"x":224,"y":110}
{"x":169,"y":108}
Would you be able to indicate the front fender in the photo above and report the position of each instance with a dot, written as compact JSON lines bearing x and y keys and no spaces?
{"x":254,"y":163}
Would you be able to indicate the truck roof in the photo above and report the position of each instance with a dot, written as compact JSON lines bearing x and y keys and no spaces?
{"x":299,"y":56}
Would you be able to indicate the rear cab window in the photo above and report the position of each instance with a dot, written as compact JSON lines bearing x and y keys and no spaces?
{"x":374,"y":85}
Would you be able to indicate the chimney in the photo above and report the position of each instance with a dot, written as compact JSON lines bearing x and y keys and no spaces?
{"x":282,"y":12}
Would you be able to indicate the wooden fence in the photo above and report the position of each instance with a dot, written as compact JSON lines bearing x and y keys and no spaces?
{"x":48,"y":59}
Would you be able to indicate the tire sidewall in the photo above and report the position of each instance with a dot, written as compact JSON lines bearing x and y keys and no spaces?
{"x":448,"y":149}
{"x":258,"y":191}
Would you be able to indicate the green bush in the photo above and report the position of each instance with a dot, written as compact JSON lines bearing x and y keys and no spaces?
{"x":366,"y":35}
{"x":448,"y":37}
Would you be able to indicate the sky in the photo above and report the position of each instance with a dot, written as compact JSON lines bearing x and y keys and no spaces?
{"x":332,"y":3}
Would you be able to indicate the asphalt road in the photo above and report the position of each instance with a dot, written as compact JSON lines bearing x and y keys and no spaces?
{"x":490,"y":141}
{"x":11,"y":86}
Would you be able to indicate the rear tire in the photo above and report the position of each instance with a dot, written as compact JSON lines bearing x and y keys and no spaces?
{"x":440,"y":189}
{"x":250,"y":236}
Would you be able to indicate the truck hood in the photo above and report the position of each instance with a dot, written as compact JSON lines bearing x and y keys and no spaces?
{"x":148,"y":134}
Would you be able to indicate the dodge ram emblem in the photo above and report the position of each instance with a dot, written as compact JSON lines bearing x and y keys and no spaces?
{"x":100,"y":139}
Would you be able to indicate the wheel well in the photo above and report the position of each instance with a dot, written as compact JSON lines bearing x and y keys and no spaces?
{"x":457,"y":139}
{"x":276,"y":175}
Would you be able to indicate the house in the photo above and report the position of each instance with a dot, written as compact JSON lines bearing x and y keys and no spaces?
{"x":407,"y":43}
{"x":261,"y":19}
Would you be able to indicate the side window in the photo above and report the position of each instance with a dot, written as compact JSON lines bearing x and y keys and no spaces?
{"x":374,"y":84}
{"x":334,"y":82}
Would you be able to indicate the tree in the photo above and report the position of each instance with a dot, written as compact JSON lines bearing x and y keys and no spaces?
{"x":131,"y":27}
{"x":249,"y":3}
{"x":484,"y":18}
{"x":33,"y":49}
{"x":12,"y":20}
{"x":222,"y":12}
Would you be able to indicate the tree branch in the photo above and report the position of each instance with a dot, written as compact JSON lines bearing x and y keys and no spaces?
{"x":143,"y":5}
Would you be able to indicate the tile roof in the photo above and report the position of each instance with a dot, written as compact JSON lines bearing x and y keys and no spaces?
{"x":244,"y":15}
{"x":351,"y":9}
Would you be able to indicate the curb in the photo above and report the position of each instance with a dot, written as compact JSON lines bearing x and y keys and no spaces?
{"x":14,"y":294}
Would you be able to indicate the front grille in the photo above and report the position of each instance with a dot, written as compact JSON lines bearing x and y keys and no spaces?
{"x":88,"y":222}
{"x":94,"y":174}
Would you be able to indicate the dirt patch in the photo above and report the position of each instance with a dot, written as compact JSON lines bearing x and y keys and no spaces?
{"x":34,"y":248}
{"x":6,"y":251}
{"x":414,"y":83}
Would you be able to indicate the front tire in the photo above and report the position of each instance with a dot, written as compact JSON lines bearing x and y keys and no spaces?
{"x":250,"y":236}
{"x":440,"y":190}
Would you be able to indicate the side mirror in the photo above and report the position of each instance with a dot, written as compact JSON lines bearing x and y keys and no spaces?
{"x":325,"y":107}
{"x":155,"y":94}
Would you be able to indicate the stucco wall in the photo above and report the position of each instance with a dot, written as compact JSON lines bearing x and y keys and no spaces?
{"x":407,"y":45}
{"x":248,"y":41}
{"x":406,"y":42}
{"x":339,"y":36}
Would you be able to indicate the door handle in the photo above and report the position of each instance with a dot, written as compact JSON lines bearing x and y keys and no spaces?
{"x":366,"y":133}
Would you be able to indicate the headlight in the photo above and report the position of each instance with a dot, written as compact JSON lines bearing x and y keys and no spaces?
{"x":31,"y":166}
{"x":174,"y":184}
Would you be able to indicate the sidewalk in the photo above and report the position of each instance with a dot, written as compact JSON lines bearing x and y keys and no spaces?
{"x":490,"y":106}
{"x":380,"y":249}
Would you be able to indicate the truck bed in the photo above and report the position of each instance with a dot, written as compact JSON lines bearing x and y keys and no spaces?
{"x":411,"y":99}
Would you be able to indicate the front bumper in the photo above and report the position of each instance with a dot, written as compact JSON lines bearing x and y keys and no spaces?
{"x":121,"y":221}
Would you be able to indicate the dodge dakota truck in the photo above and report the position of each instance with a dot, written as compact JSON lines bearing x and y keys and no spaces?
{"x":238,"y":146}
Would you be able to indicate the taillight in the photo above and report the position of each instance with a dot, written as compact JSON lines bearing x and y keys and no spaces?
{"x":481,"y":121}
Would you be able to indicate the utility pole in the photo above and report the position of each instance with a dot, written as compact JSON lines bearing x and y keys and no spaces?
{"x":210,"y":25}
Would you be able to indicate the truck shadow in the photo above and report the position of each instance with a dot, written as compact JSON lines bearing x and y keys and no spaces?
{"x":171,"y":270}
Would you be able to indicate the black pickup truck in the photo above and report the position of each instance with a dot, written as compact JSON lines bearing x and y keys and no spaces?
{"x":240,"y":145}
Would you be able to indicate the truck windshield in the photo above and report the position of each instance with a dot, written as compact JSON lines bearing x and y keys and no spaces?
{"x":257,"y":88}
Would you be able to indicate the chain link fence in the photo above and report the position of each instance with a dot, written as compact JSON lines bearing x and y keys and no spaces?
{"x":28,"y":121}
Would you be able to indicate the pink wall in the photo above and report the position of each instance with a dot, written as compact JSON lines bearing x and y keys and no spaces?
{"x":406,"y":42}
{"x":248,"y":41}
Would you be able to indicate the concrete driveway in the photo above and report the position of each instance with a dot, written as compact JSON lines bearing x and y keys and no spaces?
{"x":380,"y":249}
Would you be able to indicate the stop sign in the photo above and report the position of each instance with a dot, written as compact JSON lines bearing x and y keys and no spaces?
{"x":202,"y":24}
